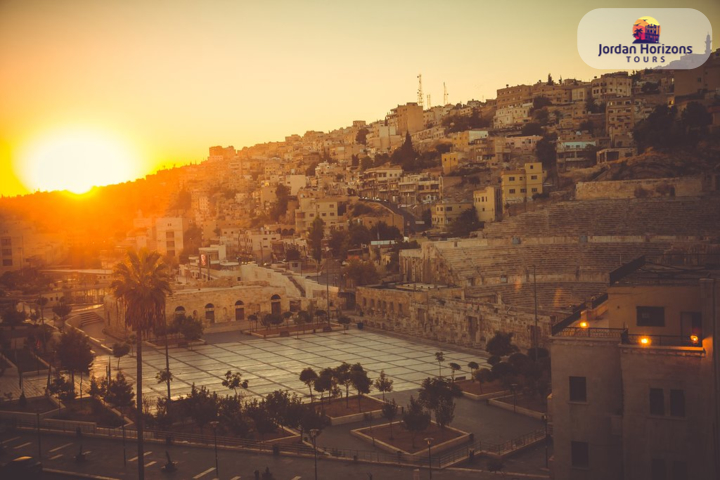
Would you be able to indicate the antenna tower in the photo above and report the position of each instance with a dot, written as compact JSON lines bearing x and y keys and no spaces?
{"x":428,"y":101}
{"x":445,"y":94}
{"x":419,"y":92}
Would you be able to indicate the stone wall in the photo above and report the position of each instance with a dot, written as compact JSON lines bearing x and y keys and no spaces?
{"x":653,"y":187}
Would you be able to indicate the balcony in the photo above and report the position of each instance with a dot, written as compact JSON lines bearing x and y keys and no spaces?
{"x":580,"y":332}
{"x":661,"y":340}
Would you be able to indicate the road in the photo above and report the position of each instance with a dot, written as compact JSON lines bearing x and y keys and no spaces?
{"x":105,"y":458}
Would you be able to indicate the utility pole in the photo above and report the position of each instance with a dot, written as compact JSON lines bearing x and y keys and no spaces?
{"x":535,"y":333}
{"x":445,"y":95}
{"x":420,"y":92}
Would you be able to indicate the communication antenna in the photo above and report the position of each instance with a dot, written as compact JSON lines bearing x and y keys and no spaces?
{"x":445,"y":94}
{"x":419,"y":92}
{"x":428,"y":101}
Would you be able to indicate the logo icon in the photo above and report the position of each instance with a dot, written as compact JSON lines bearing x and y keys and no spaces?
{"x":646,"y":30}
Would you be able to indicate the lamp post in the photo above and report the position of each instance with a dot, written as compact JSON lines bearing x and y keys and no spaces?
{"x":429,"y":442}
{"x":214,"y":425}
{"x":513,"y":387}
{"x":37,"y":417}
{"x":545,"y":419}
{"x":314,"y":432}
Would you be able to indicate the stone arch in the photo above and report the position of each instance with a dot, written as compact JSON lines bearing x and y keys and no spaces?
{"x":239,"y":311}
{"x":180,"y":310}
{"x":275,"y":306}
{"x":210,"y":312}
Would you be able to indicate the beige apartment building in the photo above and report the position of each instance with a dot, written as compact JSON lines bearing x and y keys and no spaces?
{"x":513,"y":96}
{"x":488,"y":204}
{"x":446,"y":213}
{"x":635,"y":378}
{"x":521,"y":185}
{"x":409,"y":118}
{"x":324,"y":208}
{"x":611,"y":85}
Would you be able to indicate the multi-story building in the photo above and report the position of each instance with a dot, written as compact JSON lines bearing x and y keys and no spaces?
{"x":512,"y":115}
{"x":169,"y":236}
{"x":635,"y":378}
{"x":445,"y":213}
{"x":450,"y":162}
{"x":514,"y":96}
{"x":521,"y":185}
{"x":611,"y":85}
{"x":325,"y":209}
{"x":488,"y":203}
{"x":409,"y":118}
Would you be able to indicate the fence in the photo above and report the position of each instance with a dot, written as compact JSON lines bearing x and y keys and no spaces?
{"x":439,"y":460}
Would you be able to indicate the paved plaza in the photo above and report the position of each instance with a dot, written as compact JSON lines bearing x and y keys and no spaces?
{"x":276,"y":363}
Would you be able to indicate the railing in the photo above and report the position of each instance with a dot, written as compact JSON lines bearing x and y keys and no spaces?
{"x":626,"y":269}
{"x":569,"y":320}
{"x":516,"y":443}
{"x":590,"y":332}
{"x":659,"y":340}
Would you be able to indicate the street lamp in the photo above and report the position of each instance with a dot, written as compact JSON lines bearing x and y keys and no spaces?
{"x":513,"y":387}
{"x":214,"y":425}
{"x":314,"y":432}
{"x":429,"y":442}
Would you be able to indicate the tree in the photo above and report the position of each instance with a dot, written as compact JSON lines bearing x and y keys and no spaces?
{"x":405,"y":155}
{"x":316,"y":233}
{"x":189,"y":327}
{"x":303,"y":318}
{"x":75,"y":354}
{"x":467,"y":222}
{"x":201,"y":405}
{"x":98,"y":387}
{"x":325,"y":382}
{"x":361,"y":273}
{"x":231,"y":416}
{"x":361,"y":136}
{"x":342,"y":377}
{"x":383,"y":384}
{"x":61,"y":387}
{"x":587,"y":126}
{"x":483,"y":375}
{"x":454,"y":367}
{"x":501,"y":344}
{"x":292,"y":253}
{"x":119,"y":392}
{"x":415,"y":419}
{"x":532,"y":128}
{"x":439,"y":357}
{"x":360,"y":381}
{"x":13,"y":317}
{"x":390,"y":411}
{"x":62,"y":310}
{"x":445,"y":413}
{"x":308,"y":377}
{"x":473,"y":366}
{"x":263,"y":421}
{"x":436,"y":393}
{"x":233,"y":381}
{"x":282,"y":194}
{"x":277,"y":403}
{"x":695,"y":119}
{"x":344,"y":320}
{"x":119,"y":350}
{"x":311,"y":419}
{"x":141,"y":283}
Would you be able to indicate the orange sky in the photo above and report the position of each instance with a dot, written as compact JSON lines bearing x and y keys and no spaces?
{"x":173,"y":77}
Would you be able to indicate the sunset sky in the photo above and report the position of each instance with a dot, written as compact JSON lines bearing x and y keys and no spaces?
{"x":161,"y":81}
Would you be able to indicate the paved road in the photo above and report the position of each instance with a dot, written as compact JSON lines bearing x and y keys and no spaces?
{"x":105,"y":458}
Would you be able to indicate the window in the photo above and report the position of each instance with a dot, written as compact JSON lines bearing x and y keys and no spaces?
{"x":534,"y":190}
{"x":578,"y":389}
{"x":650,"y":316}
{"x":580,"y":454}
{"x":533,"y":177}
{"x":512,"y":179}
{"x":170,"y":235}
{"x":5,"y":242}
{"x":512,"y":190}
{"x":7,"y":252}
{"x":677,"y":403}
{"x":7,"y":262}
{"x":522,"y":190}
{"x":657,"y":401}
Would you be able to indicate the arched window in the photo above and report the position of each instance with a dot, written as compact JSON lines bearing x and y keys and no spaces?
{"x":210,"y":312}
{"x":275,"y":304}
{"x":179,"y":312}
{"x":239,"y":311}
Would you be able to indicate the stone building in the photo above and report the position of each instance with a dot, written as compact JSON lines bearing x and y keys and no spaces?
{"x":215,"y":305}
{"x":635,"y":379}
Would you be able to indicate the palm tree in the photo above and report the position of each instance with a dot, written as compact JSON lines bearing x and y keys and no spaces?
{"x":141,"y":282}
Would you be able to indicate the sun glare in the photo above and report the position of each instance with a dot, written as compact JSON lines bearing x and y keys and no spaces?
{"x":77,"y":160}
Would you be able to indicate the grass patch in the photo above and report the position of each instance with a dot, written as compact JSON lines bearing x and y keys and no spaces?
{"x":89,"y":409}
{"x":37,"y":404}
{"x":402,"y":439}
{"x":340,"y":407}
{"x":480,"y":389}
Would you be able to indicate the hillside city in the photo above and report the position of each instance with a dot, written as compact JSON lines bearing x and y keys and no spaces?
{"x":525,"y":284}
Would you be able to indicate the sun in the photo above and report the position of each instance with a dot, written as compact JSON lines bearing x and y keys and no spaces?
{"x":77,"y":160}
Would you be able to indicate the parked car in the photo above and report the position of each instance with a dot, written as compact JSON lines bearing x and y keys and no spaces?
{"x":21,"y":468}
